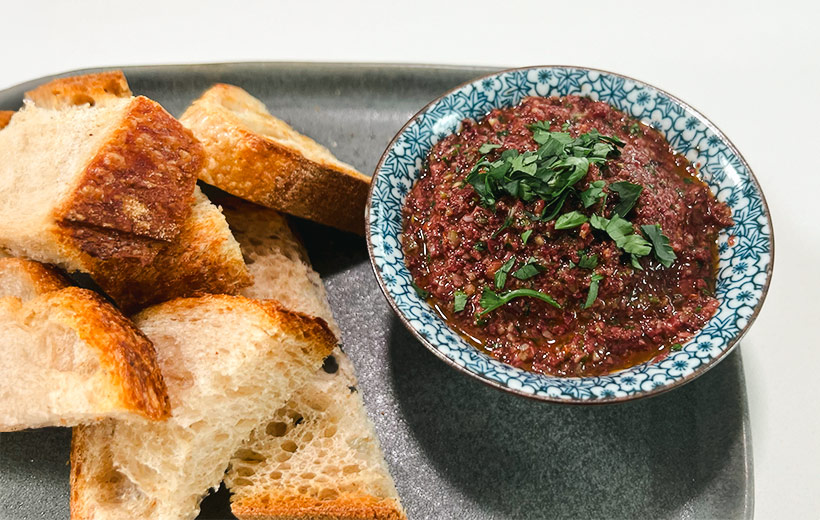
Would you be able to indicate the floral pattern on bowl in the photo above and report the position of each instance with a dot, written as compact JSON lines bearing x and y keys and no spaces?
{"x":746,"y":250}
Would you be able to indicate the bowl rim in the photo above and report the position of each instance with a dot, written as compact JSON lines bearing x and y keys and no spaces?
{"x":699,"y":371}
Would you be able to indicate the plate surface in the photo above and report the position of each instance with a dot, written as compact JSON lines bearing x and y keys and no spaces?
{"x":746,"y":249}
{"x":456,"y":448}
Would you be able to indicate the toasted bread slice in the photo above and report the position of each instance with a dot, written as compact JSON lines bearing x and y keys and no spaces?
{"x":112,"y":181}
{"x":88,"y":89}
{"x":5,"y":117}
{"x":317,"y":456}
{"x":69,"y":357}
{"x":204,"y":257}
{"x":229,"y":361}
{"x":257,"y":157}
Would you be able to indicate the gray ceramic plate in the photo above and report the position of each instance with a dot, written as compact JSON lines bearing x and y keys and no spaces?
{"x":457,"y":449}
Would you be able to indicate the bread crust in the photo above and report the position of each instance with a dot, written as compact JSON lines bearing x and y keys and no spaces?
{"x":203,"y":259}
{"x":126,"y":354}
{"x":297,"y":507}
{"x":88,"y":89}
{"x":135,"y":194}
{"x":260,"y":169}
{"x":43,"y":278}
{"x":5,"y":117}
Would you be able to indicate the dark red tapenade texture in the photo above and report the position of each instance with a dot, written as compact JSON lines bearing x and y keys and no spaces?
{"x":452,"y":244}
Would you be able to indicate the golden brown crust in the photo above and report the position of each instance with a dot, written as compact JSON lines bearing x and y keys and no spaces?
{"x":44,"y":278}
{"x":199,"y":261}
{"x":126,"y":354}
{"x":292,"y":507}
{"x":254,"y":167}
{"x":5,"y":117}
{"x":88,"y":89}
{"x":136,"y":192}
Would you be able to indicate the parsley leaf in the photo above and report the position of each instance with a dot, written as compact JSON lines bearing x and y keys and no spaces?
{"x":660,"y":245}
{"x":588,"y":262}
{"x":593,"y":290}
{"x":490,"y":301}
{"x":420,"y":292}
{"x":570,"y":220}
{"x":676,"y":347}
{"x":628,"y":194}
{"x":501,"y":273}
{"x":598,"y":222}
{"x":528,"y":270}
{"x":480,"y":246}
{"x":591,"y":195}
{"x":487,"y":147}
{"x":459,"y":301}
{"x":548,"y":173}
{"x":525,"y":236}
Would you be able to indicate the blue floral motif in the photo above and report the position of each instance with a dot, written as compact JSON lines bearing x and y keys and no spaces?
{"x":745,"y":249}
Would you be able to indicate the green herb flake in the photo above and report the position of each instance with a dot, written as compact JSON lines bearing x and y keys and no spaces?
{"x":501,"y":273}
{"x":480,"y":246}
{"x":525,"y":236}
{"x":628,"y":193}
{"x":420,"y":292}
{"x":528,"y":270}
{"x":570,"y":220}
{"x":459,"y":301}
{"x":594,"y":280}
{"x":676,"y":347}
{"x":635,"y":129}
{"x":487,"y":148}
{"x":660,"y":245}
{"x":591,"y":195}
{"x":565,"y":126}
{"x":490,"y":301}
{"x":588,"y":262}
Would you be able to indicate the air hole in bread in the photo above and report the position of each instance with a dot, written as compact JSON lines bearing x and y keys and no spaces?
{"x":350,"y":469}
{"x":82,"y":99}
{"x":289,"y":446}
{"x":328,"y":494}
{"x":250,"y":456}
{"x":276,"y":429}
{"x":331,"y":366}
{"x":330,"y":431}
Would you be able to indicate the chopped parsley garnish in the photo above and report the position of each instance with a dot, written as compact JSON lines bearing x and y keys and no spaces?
{"x":660,"y":245}
{"x":591,"y":195}
{"x":588,"y":262}
{"x":490,"y":300}
{"x":570,"y":220}
{"x":628,"y":194}
{"x":480,"y":246}
{"x":525,"y":236}
{"x":528,"y":270}
{"x":501,"y":274}
{"x":419,"y":291}
{"x":676,"y":347}
{"x":558,"y":164}
{"x":459,"y":301}
{"x":593,"y":290}
{"x":635,"y":129}
{"x":487,"y":147}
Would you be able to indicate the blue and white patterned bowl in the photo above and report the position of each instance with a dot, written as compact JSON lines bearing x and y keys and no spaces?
{"x":746,"y":249}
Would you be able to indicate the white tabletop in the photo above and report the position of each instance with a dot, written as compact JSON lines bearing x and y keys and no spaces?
{"x":753,"y":68}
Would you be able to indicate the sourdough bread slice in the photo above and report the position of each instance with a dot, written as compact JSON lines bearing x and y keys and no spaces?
{"x":255,"y":156}
{"x":69,"y":357}
{"x":88,"y":89}
{"x":317,"y":456}
{"x":204,"y":257}
{"x":229,"y":362}
{"x":109,"y":181}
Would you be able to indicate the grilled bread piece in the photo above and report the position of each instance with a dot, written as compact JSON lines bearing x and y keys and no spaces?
{"x":69,"y":357}
{"x":88,"y":89}
{"x":255,"y":156}
{"x":110,"y":181}
{"x":204,"y":258}
{"x":229,"y":363}
{"x":317,"y":456}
